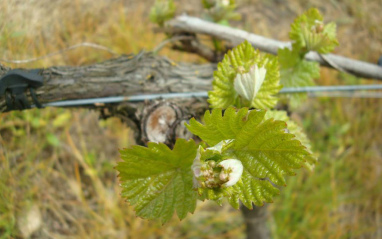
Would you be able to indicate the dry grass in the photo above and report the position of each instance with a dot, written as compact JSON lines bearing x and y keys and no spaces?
{"x":56,"y":165}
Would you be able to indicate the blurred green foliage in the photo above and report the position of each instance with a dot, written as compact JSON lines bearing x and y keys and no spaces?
{"x":220,"y":11}
{"x":162,"y":11}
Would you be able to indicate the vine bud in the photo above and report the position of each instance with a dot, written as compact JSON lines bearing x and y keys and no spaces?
{"x":318,"y":26}
{"x":248,"y":84}
{"x":223,"y":176}
{"x":212,"y":163}
{"x":208,"y":173}
{"x":235,"y":169}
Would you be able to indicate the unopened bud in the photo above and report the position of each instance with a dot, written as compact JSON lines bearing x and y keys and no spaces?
{"x":236,"y":170}
{"x":223,"y":177}
{"x":248,"y":84}
{"x":319,"y":26}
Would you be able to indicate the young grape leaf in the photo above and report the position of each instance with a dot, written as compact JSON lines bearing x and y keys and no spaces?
{"x":238,"y":62}
{"x":161,"y":11}
{"x":296,"y":72}
{"x":295,"y":129}
{"x":265,"y":149}
{"x":220,"y":11}
{"x":157,"y":180}
{"x":309,"y":33}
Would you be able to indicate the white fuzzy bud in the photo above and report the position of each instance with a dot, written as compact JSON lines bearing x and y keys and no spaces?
{"x":236,"y":170}
{"x":248,"y":84}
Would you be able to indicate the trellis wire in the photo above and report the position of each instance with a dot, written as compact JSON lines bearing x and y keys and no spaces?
{"x":313,"y":91}
{"x":344,"y":94}
{"x":330,"y":88}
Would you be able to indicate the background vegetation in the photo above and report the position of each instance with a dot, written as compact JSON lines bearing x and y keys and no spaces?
{"x":56,"y":165}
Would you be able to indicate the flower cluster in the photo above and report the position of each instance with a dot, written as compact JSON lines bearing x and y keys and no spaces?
{"x":213,"y":172}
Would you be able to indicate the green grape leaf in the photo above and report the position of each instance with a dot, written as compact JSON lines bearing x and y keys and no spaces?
{"x":309,"y":33}
{"x":330,"y":40}
{"x":242,"y":62}
{"x":252,"y":190}
{"x":161,"y":11}
{"x":298,"y":132}
{"x":266,"y":151}
{"x":157,"y":180}
{"x":296,"y":72}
